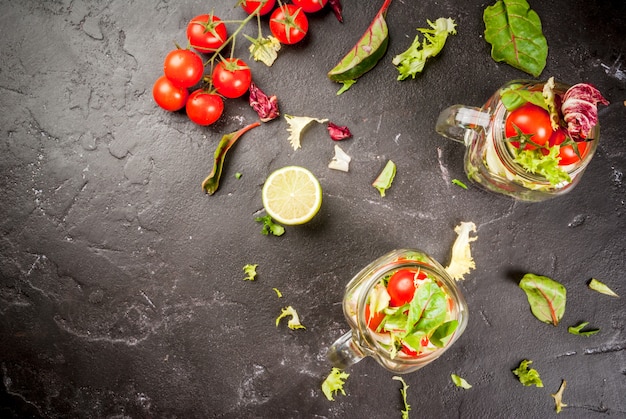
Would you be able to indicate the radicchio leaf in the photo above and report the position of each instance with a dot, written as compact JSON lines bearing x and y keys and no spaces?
{"x":580,"y":110}
{"x":337,"y":132}
{"x":266,"y":107}
{"x":335,"y":5}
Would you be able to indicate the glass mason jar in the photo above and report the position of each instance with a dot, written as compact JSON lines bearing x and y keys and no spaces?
{"x":362,"y":341}
{"x":489,"y":157}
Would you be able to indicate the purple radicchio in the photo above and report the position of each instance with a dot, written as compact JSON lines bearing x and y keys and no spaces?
{"x":580,"y":110}
{"x":337,"y":132}
{"x":266,"y":107}
{"x":337,"y":9}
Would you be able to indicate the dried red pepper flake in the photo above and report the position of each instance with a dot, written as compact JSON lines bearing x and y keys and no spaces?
{"x":266,"y":107}
{"x":337,"y":132}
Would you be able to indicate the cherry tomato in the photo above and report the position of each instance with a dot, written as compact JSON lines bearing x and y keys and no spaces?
{"x":168,"y":96}
{"x":375,"y":320}
{"x":231,"y":78}
{"x":531,"y":119}
{"x":206,"y":33}
{"x":289,"y":24}
{"x":566,"y":152}
{"x":401,"y":286}
{"x":204,"y":108}
{"x":183,"y":67}
{"x":310,"y":6}
{"x":249,"y":6}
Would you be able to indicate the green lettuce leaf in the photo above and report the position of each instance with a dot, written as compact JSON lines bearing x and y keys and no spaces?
{"x":514,"y":31}
{"x":403,"y":393}
{"x":533,"y":161}
{"x":460,"y":382}
{"x":602,"y":288}
{"x":334,"y":383}
{"x":546,"y":297}
{"x":250,"y":271}
{"x":385,"y":178}
{"x":578,"y":330}
{"x":526,"y":375}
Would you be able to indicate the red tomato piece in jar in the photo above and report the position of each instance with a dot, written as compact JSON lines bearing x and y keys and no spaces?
{"x":401,"y":286}
{"x":567,"y":153}
{"x":373,"y":320}
{"x":531,"y":120}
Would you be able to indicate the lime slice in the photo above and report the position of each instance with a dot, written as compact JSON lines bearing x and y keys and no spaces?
{"x":292,"y":195}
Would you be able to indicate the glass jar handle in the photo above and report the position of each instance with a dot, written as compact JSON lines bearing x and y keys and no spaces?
{"x":455,"y":121}
{"x":345,"y":352}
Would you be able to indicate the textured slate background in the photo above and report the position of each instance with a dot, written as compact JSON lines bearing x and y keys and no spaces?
{"x":122,"y":291}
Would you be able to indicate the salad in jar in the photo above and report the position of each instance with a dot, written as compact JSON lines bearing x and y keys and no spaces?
{"x":542,"y":137}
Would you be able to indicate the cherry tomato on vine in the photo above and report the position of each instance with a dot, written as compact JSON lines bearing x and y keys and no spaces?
{"x":168,"y":96}
{"x":289,"y":24}
{"x":204,"y":108}
{"x":530,"y":119}
{"x":566,"y":152}
{"x":249,"y":6}
{"x":373,"y":321}
{"x":183,"y":67}
{"x":401,"y":286}
{"x":231,"y":78}
{"x":206,"y":33}
{"x":310,"y":6}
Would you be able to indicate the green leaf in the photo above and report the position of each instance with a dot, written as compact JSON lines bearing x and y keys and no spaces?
{"x":366,"y":52}
{"x":442,"y":332}
{"x":578,"y":330}
{"x":269,"y":226}
{"x":412,"y":61}
{"x":334,"y":383}
{"x":526,"y":375}
{"x":459,"y":183}
{"x":600,"y":287}
{"x":294,"y":322}
{"x":460,"y":382}
{"x":250,"y":271}
{"x":517,"y":95}
{"x":278,"y":293}
{"x":535,"y":162}
{"x":427,"y":309}
{"x":385,"y":178}
{"x":405,"y":386}
{"x":546,"y":297}
{"x":558,"y":397}
{"x":514,"y":31}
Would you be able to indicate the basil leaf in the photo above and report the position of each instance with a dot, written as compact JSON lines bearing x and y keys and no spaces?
{"x":578,"y":330}
{"x":514,"y":31}
{"x":546,"y":297}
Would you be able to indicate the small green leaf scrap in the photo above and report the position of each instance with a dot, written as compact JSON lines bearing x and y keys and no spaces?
{"x":385,"y":178}
{"x":600,"y":287}
{"x":546,"y":297}
{"x":250,"y":271}
{"x":238,"y":175}
{"x":527,"y":376}
{"x":334,"y":383}
{"x":460,"y":382}
{"x":407,"y":406}
{"x":578,"y":330}
{"x":558,"y":397}
{"x":294,"y":322}
{"x":269,"y":226}
{"x":459,"y":183}
{"x":278,"y":293}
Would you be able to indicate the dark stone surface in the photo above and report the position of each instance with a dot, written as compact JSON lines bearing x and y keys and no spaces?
{"x":122,"y":291}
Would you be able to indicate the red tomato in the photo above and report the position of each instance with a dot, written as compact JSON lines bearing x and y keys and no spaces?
{"x":231,"y":78}
{"x":206,"y":33}
{"x":250,"y":6}
{"x":401,"y":286}
{"x":204,"y":108}
{"x":289,"y":24}
{"x":566,"y":152}
{"x":376,"y":319}
{"x":531,"y":119}
{"x":410,"y":352}
{"x":183,"y":67}
{"x":168,"y":96}
{"x":310,"y":6}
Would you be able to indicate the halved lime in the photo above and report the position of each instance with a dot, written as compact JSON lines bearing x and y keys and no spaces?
{"x":292,"y":195}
